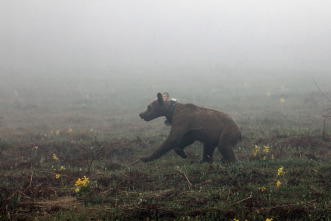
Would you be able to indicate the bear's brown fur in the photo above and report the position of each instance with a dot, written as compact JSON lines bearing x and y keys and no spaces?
{"x":192,"y":123}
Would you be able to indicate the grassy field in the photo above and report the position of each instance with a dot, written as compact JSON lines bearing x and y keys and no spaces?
{"x":70,"y":148}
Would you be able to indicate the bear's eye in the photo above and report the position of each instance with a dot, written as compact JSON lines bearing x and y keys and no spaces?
{"x":149,"y":108}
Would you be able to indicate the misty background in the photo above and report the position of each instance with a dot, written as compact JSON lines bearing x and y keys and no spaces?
{"x":96,"y":63}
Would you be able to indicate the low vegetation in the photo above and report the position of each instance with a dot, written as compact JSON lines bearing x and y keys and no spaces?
{"x":81,"y":163}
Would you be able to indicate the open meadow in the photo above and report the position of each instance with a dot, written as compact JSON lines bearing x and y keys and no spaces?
{"x":70,"y":148}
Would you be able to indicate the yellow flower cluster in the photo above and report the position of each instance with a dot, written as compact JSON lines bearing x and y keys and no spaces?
{"x":55,"y":157}
{"x":57,"y":168}
{"x":81,"y":182}
{"x":280,"y":171}
{"x":265,"y":151}
{"x":257,"y":148}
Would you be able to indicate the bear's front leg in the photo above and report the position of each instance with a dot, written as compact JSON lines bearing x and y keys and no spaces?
{"x":181,"y":153}
{"x":184,"y":142}
{"x":165,"y":147}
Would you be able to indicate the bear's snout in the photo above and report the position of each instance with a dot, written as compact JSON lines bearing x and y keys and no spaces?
{"x":144,"y":116}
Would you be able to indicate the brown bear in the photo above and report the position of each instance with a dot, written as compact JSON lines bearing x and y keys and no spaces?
{"x":191,"y":123}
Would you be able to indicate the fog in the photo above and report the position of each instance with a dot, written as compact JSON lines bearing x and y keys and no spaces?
{"x":76,"y":74}
{"x":111,"y":56}
{"x":85,"y":36}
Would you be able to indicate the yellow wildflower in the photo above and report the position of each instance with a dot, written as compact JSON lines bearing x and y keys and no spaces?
{"x":79,"y":182}
{"x":266,"y":149}
{"x":272,"y":157}
{"x":265,"y":157}
{"x":280,"y":171}
{"x":234,"y":219}
{"x":36,"y":147}
{"x":57,"y":176}
{"x":82,"y":182}
{"x":269,"y":219}
{"x":282,"y":100}
{"x":57,"y":132}
{"x":86,"y":181}
{"x":77,"y":190}
{"x":69,"y":130}
{"x":62,"y":168}
{"x":263,"y":189}
{"x":55,"y":157}
{"x":278,"y":183}
{"x":257,"y":148}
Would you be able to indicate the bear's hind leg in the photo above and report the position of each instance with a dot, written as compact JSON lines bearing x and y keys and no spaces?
{"x":208,"y":152}
{"x":228,"y":153}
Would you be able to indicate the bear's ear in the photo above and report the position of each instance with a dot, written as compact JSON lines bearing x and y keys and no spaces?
{"x":165,"y":96}
{"x":160,"y":98}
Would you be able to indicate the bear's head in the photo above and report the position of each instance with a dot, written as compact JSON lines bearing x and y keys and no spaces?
{"x":157,"y":108}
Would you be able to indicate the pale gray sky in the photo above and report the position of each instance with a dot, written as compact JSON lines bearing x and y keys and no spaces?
{"x":81,"y":34}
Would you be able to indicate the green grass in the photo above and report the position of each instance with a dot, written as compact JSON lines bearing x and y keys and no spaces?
{"x":108,"y":139}
{"x":170,"y":188}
